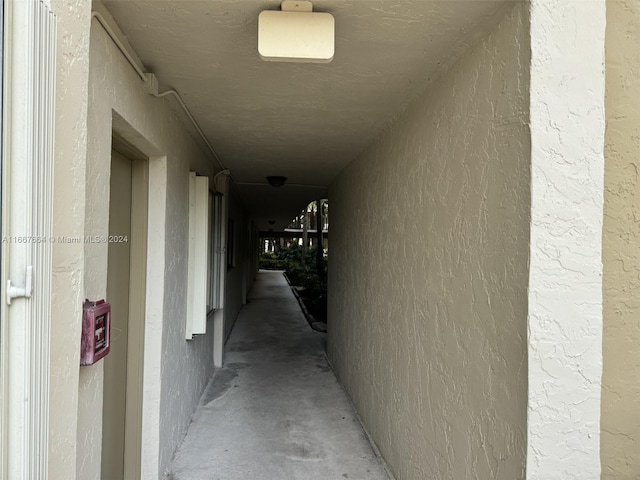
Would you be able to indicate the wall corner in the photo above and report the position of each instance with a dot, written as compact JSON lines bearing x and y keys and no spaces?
{"x":565,"y":272}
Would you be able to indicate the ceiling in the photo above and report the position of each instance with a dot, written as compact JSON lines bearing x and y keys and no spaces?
{"x":302,"y":121}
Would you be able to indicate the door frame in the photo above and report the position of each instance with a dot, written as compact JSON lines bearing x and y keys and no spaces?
{"x":137,"y":306}
{"x":157,"y":172}
{"x":137,"y":309}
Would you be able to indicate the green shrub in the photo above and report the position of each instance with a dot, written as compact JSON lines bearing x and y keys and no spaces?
{"x":292,"y":258}
{"x":295,"y":271}
{"x":270,"y":261}
{"x":291,"y":254}
{"x":315,"y":285}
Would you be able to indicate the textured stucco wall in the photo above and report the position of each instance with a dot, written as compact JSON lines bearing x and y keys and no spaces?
{"x":428,"y":271}
{"x":68,"y":260}
{"x":176,"y":370}
{"x":620,"y":442}
{"x":565,"y":274}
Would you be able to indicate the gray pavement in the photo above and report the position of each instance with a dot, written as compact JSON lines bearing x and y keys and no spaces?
{"x":275,"y":411}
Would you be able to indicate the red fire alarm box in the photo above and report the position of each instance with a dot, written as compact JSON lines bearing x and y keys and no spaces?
{"x":96,"y":331}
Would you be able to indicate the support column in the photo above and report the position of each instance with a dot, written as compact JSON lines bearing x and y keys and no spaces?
{"x":565,"y":279}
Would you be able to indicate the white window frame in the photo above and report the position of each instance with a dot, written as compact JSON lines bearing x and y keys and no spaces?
{"x":198,"y":270}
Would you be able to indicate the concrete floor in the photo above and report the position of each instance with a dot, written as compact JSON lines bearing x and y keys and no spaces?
{"x":276,"y":410}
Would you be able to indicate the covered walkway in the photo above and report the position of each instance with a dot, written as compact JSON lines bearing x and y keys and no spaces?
{"x":276,"y":410}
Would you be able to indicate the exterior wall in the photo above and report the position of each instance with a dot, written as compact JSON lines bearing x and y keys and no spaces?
{"x":620,"y":422}
{"x":175,"y":370}
{"x":235,"y":274}
{"x":68,"y":260}
{"x":565,"y":269}
{"x":428,"y":271}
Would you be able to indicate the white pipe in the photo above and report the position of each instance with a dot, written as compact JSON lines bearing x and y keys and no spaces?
{"x":195,"y":124}
{"x":144,"y":78}
{"x":215,"y":178}
{"x":121,"y":47}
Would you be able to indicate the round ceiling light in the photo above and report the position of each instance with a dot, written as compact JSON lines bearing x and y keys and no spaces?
{"x":276,"y":181}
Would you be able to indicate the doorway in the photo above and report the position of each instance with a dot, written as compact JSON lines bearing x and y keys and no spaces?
{"x":126,"y":287}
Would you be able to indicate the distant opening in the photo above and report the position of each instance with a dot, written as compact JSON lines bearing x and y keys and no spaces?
{"x":301,"y":250}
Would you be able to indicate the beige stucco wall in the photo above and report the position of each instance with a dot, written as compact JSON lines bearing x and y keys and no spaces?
{"x":68,"y":260}
{"x":428,"y":271}
{"x":620,"y":443}
{"x":89,"y":105}
{"x":175,"y":370}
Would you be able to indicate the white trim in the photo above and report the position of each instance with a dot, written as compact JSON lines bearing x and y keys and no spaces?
{"x":28,"y":155}
{"x":4,"y":204}
{"x":565,"y":275}
{"x":188,"y":330}
{"x":196,"y":321}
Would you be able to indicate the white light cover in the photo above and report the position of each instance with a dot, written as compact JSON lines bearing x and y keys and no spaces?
{"x":296,"y":36}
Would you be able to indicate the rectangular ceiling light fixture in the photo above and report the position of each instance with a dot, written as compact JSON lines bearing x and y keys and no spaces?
{"x":296,"y":34}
